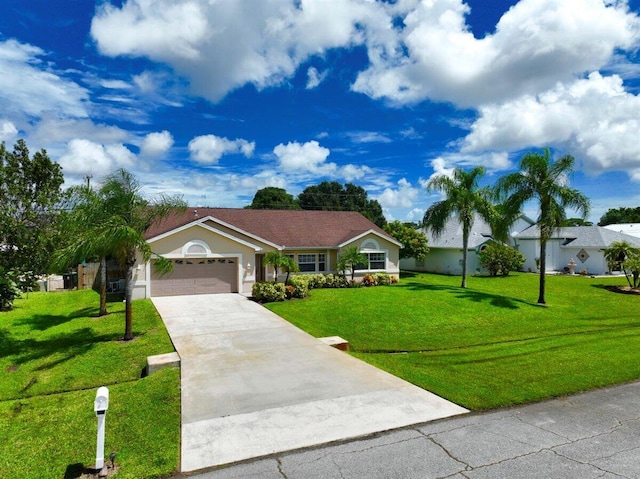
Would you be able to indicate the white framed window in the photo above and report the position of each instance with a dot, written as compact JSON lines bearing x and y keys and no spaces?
{"x":307,"y":263}
{"x":312,"y":262}
{"x":375,"y":260}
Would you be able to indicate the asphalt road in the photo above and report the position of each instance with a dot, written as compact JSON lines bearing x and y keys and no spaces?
{"x":591,"y":435}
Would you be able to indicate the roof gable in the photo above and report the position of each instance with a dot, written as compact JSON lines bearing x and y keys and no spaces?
{"x":285,"y":228}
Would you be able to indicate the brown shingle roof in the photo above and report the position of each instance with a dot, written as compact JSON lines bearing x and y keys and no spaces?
{"x":290,"y":228}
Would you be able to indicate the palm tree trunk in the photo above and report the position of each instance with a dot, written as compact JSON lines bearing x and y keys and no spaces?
{"x":128,"y":295}
{"x":103,"y":286}
{"x":465,"y":245}
{"x":543,"y":269}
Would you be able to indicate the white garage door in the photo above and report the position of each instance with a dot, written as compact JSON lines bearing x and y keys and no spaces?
{"x":196,"y":276}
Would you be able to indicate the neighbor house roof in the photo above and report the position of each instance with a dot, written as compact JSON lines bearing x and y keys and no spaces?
{"x":288,"y":228}
{"x":632,"y":229}
{"x":451,"y":236}
{"x":583,"y":236}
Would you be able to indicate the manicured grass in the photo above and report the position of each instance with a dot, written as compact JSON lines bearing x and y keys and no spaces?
{"x":489,"y":345}
{"x":54,"y":354}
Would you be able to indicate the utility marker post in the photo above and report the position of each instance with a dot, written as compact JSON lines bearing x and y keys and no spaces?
{"x":100,"y":407}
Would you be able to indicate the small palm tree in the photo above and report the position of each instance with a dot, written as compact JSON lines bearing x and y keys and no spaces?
{"x":545,"y":181}
{"x":618,"y":252}
{"x":463,"y":198}
{"x":278,"y":261}
{"x":350,"y":259}
{"x":86,"y":212}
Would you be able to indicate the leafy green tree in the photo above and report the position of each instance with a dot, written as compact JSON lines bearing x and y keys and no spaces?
{"x":618,"y":253}
{"x":8,"y":290}
{"x":120,"y":233}
{"x":464,"y":198}
{"x":501,"y":259}
{"x":576,"y":222}
{"x":273,"y":198}
{"x":544,"y":181}
{"x":332,"y":196}
{"x":30,"y":193}
{"x":350,"y":259}
{"x":620,"y":215}
{"x":414,"y":241}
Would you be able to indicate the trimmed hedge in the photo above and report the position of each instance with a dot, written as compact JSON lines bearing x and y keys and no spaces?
{"x":299,"y":285}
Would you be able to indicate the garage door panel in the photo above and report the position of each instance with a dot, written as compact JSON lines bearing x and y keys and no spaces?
{"x":196,"y":276}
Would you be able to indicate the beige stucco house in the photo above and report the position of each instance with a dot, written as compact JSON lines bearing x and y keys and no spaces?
{"x":221,"y":250}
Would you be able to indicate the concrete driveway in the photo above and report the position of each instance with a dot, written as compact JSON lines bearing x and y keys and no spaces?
{"x":253,"y":385}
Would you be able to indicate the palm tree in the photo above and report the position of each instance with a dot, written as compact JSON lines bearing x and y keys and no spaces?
{"x":350,"y":259}
{"x":119,"y":231}
{"x":280,"y":261}
{"x":545,"y":181}
{"x":463,"y":198}
{"x":86,"y":212}
{"x":618,"y":253}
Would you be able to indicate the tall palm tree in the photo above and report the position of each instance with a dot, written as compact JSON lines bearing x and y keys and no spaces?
{"x":117,"y":216}
{"x":544,"y":181}
{"x":130,"y":216}
{"x":463,"y":198}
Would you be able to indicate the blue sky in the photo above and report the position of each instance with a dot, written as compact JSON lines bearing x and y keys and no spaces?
{"x":215,"y":100}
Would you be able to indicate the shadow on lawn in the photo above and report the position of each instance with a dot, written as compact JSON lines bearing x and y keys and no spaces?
{"x":469,"y":294}
{"x":60,"y":348}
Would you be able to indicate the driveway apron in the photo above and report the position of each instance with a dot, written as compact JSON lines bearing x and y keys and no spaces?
{"x":254,"y":385}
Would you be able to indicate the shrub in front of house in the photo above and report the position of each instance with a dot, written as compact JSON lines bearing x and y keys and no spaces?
{"x":300,"y":284}
{"x":335,"y":280}
{"x":269,"y":292}
{"x":382,"y":279}
{"x":316,"y":280}
{"x":500,"y":259}
{"x":368,"y":280}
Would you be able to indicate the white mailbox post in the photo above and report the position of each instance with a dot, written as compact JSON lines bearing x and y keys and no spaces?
{"x":100,"y":407}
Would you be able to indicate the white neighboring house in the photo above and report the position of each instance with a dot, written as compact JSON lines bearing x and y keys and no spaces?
{"x":632,"y":229}
{"x":584,"y":244}
{"x":445,"y":251}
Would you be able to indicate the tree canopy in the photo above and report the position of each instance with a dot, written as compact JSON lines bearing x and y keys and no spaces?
{"x":273,"y":198}
{"x":414,"y":242}
{"x":30,"y":194}
{"x":545,"y":181}
{"x":620,"y":215}
{"x":332,"y":196}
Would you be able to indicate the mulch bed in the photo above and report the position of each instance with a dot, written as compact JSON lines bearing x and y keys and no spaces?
{"x":623,"y":289}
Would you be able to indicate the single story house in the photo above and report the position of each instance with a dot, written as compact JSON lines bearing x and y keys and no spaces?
{"x":584,"y":244}
{"x":221,"y":250}
{"x":445,"y":250}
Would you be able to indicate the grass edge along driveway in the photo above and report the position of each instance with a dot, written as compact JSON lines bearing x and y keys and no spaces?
{"x":489,"y":345}
{"x":54,"y":355}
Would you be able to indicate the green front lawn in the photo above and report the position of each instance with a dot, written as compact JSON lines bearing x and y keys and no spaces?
{"x":54,"y":354}
{"x":489,"y":345}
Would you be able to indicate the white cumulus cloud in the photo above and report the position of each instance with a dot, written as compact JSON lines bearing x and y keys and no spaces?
{"x":87,"y":157}
{"x":208,"y":149}
{"x":594,"y":119}
{"x":403,"y":196}
{"x":536,"y":44}
{"x":156,"y":144}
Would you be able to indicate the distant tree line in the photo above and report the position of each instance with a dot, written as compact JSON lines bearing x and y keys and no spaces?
{"x":622,"y":215}
{"x":326,"y":196}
